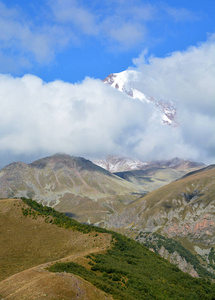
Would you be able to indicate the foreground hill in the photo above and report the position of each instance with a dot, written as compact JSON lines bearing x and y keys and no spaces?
{"x":96,"y":264}
{"x":71,"y":184}
{"x":183,"y":210}
{"x":29,"y":242}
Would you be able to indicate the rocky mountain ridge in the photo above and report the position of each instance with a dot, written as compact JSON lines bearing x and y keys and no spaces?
{"x":76,"y":186}
{"x":73,"y":185}
{"x":183,"y":211}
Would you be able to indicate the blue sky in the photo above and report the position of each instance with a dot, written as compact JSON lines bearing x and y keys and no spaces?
{"x":68,"y":39}
{"x":54,"y":53}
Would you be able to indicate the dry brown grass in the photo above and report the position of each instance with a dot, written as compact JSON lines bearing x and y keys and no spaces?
{"x":203,"y":181}
{"x":28,"y":242}
{"x":38,"y":283}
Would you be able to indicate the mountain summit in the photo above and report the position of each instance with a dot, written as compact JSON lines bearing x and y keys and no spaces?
{"x":127,"y":81}
{"x":118,"y":163}
{"x":73,"y":185}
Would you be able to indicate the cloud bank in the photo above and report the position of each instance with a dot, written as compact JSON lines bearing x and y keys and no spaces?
{"x":89,"y":118}
{"x":92,"y":119}
{"x":188,"y":79}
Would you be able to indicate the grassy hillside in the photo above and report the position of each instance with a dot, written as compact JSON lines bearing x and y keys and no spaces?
{"x":126,"y":270}
{"x":30,"y":241}
{"x":36,"y":283}
{"x":130,"y":271}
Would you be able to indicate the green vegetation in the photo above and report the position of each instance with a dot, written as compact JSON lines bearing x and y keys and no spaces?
{"x":211,"y":258}
{"x":35,"y":210}
{"x":156,"y":241}
{"x":128,"y":270}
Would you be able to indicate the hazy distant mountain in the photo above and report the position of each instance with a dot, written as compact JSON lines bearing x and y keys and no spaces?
{"x":117,"y":163}
{"x":151,"y":175}
{"x":125,"y":82}
{"x":120,"y":163}
{"x":70,"y":184}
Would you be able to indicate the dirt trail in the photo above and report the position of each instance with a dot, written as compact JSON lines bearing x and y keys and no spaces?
{"x":38,"y":283}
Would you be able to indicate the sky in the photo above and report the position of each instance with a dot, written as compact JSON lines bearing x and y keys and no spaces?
{"x":54,"y":54}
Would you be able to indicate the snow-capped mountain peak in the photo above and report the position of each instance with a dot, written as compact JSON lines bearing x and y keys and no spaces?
{"x":114,"y":163}
{"x":123,"y":82}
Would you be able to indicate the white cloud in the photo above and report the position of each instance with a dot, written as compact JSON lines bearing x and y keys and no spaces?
{"x":188,"y":79}
{"x":186,"y":76}
{"x":83,"y":119}
{"x":126,"y":34}
{"x":67,"y":11}
{"x":92,"y":119}
{"x":35,"y":37}
{"x":125,"y":25}
{"x":119,"y":23}
{"x":24,"y":42}
{"x":180,"y":14}
{"x":141,"y":59}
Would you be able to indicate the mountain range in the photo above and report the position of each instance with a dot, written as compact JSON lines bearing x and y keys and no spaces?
{"x":119,"y":163}
{"x":168,"y":206}
{"x":73,"y":185}
{"x":151,"y":175}
{"x":84,"y":190}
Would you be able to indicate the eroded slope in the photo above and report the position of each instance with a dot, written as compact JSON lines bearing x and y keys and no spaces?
{"x":183,"y":210}
{"x":72,"y":185}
